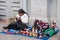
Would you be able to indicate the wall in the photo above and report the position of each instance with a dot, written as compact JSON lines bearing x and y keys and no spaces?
{"x":52,"y":10}
{"x":58,"y":13}
{"x":38,"y":10}
{"x":10,"y":7}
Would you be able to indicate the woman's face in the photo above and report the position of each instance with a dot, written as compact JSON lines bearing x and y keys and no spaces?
{"x":20,"y":14}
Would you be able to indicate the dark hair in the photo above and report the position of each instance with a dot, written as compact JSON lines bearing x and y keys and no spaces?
{"x":21,"y":11}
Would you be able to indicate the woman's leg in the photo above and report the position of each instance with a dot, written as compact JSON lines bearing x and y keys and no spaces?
{"x":16,"y":26}
{"x":11,"y":26}
{"x":24,"y":26}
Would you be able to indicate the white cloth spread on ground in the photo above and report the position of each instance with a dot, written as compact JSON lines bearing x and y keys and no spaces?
{"x":24,"y":18}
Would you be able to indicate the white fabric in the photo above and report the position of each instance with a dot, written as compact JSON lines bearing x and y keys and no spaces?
{"x":24,"y":18}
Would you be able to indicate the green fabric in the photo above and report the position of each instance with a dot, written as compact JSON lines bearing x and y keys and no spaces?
{"x":49,"y":31}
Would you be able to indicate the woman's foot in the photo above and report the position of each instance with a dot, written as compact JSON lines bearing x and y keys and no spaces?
{"x":5,"y":29}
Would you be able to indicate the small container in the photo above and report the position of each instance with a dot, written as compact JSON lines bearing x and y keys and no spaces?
{"x":36,"y":30}
{"x":40,"y":35}
{"x":45,"y":36}
{"x":23,"y":32}
{"x":33,"y":29}
{"x":34,"y":35}
{"x":27,"y":33}
{"x":30,"y":34}
{"x":56,"y":29}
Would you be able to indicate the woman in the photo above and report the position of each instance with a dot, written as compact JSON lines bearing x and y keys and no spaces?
{"x":21,"y":21}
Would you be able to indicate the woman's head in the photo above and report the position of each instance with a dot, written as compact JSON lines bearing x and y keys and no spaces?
{"x":21,"y":12}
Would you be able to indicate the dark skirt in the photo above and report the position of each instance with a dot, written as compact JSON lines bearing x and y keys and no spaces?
{"x":16,"y":26}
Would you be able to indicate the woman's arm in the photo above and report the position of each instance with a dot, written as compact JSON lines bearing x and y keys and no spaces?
{"x":24,"y":18}
{"x":18,"y":17}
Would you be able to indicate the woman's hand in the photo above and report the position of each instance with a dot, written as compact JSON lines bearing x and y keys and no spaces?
{"x":19,"y":18}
